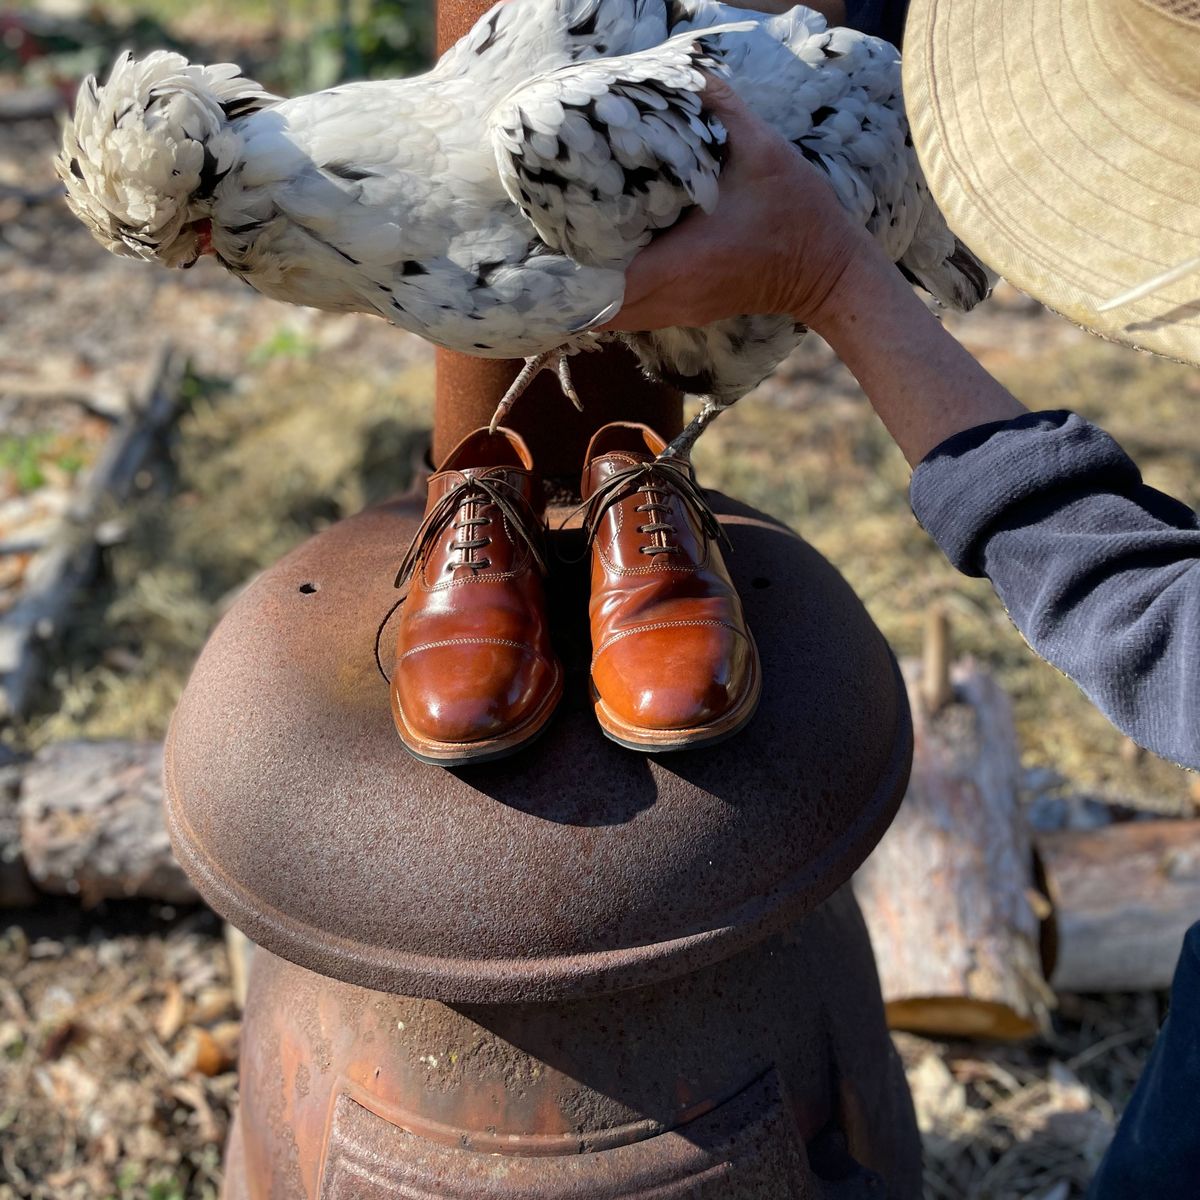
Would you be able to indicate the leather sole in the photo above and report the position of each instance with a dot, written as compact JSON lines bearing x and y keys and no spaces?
{"x":463,"y":754}
{"x":663,"y":741}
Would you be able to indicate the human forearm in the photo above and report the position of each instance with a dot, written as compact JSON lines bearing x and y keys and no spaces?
{"x":1100,"y":573}
{"x":780,"y":242}
{"x":922,"y":383}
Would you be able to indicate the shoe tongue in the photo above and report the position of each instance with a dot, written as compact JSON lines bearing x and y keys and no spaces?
{"x":501,"y":455}
{"x":614,"y":447}
{"x":482,"y":450}
{"x":517,"y":478}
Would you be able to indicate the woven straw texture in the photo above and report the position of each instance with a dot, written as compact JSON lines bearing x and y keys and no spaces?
{"x":1062,"y":140}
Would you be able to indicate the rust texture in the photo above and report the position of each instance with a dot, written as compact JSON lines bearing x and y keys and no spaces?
{"x":765,"y":1076}
{"x":610,"y":383}
{"x":572,"y":868}
{"x":579,"y":973}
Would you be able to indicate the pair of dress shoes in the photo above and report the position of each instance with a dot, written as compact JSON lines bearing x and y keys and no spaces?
{"x":476,"y":677}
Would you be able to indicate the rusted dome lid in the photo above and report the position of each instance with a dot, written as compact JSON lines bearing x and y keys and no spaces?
{"x":572,"y":868}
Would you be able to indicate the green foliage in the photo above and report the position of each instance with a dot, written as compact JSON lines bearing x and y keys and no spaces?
{"x":386,"y":39}
{"x":25,"y":460}
{"x":313,"y":47}
{"x":166,"y":1189}
{"x":20,"y":461}
{"x":44,"y":47}
{"x":284,"y":343}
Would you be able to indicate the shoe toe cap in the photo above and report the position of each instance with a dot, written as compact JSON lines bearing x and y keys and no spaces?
{"x":469,"y":692}
{"x":674,"y":678}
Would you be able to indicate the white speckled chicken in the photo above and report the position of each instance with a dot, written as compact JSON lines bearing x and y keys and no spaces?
{"x":492,"y":204}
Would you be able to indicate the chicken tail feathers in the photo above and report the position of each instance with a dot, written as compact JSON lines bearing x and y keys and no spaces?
{"x":960,"y":281}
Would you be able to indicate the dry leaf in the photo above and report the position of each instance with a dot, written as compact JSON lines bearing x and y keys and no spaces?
{"x":170,"y":1016}
{"x":213,"y":1004}
{"x":201,"y":1054}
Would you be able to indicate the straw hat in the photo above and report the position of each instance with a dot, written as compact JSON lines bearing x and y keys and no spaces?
{"x":1061,"y":138}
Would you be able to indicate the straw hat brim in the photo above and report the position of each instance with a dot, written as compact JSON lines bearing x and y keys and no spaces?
{"x":1062,"y":158}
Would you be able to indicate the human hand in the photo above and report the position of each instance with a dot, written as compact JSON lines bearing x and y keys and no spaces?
{"x":777,"y":242}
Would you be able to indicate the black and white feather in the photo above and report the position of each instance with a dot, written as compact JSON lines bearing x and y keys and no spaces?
{"x":493,"y":204}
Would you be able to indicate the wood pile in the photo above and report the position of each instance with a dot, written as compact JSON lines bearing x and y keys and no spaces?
{"x":976,"y":920}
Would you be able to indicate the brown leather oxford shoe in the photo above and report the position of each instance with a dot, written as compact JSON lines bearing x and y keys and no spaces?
{"x":475,"y":676}
{"x":673,"y":664}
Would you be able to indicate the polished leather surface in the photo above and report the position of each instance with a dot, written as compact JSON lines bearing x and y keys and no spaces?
{"x":474,"y":666}
{"x":671,"y":651}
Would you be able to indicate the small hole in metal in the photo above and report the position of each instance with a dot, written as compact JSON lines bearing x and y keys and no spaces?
{"x":760,"y":583}
{"x":308,"y":588}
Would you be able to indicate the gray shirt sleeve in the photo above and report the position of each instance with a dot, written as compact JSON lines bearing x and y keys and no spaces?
{"x":1100,"y":573}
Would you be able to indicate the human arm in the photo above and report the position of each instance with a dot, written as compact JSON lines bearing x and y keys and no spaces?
{"x":778,"y":241}
{"x":1099,"y":572}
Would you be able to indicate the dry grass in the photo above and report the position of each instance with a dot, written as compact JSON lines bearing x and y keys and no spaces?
{"x":255,"y":469}
{"x":1028,"y":1122}
{"x":816,"y":456}
{"x":100,"y":1096}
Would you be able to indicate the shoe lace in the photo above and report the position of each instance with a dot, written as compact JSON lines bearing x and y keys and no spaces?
{"x":474,"y":490}
{"x":656,"y":481}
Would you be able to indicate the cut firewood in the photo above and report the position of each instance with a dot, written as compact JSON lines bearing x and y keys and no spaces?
{"x":16,"y":888}
{"x":946,"y":894}
{"x":1123,"y":897}
{"x":936,"y":689}
{"x":92,"y":824}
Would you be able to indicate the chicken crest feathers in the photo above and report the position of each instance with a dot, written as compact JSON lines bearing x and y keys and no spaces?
{"x":148,"y":147}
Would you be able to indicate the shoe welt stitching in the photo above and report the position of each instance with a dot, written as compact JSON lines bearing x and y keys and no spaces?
{"x":645,"y":628}
{"x":465,"y":642}
{"x":478,"y":577}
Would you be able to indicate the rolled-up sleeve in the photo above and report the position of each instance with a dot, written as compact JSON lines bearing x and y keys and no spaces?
{"x":1100,"y":573}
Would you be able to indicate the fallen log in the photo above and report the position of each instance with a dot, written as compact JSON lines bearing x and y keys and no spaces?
{"x":1123,"y":897}
{"x":16,"y":888}
{"x":91,"y":823}
{"x":948,"y":893}
{"x":65,"y":562}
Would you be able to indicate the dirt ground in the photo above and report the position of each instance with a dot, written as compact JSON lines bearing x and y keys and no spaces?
{"x":116,"y":1025}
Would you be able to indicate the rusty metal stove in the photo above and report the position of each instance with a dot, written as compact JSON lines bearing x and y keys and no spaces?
{"x":577,"y":973}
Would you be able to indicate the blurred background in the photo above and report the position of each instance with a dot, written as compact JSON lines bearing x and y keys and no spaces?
{"x":163,"y":436}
